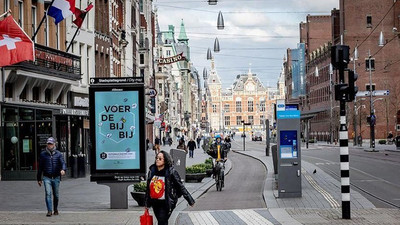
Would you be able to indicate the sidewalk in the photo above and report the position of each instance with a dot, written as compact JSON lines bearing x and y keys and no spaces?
{"x":82,"y":201}
{"x":320,"y":201}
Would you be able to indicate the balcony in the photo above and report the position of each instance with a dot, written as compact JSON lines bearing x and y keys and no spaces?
{"x":53,"y":62}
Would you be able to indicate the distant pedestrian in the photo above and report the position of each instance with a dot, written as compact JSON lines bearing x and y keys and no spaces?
{"x":182,"y":145}
{"x":198,"y":141}
{"x":169,"y":141}
{"x":157,"y":145}
{"x":164,"y":187}
{"x":147,"y":143}
{"x":163,"y":140}
{"x":52,"y":166}
{"x":191,"y":146}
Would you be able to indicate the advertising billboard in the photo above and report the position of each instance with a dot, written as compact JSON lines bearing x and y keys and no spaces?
{"x":117,"y":132}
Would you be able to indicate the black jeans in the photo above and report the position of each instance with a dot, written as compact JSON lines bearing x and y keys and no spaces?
{"x":162,"y":214}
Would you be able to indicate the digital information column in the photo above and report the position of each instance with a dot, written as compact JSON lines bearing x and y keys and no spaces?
{"x":289,"y":153}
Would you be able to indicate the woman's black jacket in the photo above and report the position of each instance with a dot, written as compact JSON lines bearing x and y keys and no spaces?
{"x":174,"y":188}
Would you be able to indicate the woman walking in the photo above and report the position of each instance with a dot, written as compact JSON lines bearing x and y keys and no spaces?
{"x":164,"y":187}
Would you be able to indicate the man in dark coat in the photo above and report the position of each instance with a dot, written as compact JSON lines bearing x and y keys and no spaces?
{"x":52,"y":166}
{"x":191,"y":146}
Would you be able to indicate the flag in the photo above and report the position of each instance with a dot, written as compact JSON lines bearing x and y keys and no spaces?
{"x":15,"y":45}
{"x":61,"y":9}
{"x":81,"y":14}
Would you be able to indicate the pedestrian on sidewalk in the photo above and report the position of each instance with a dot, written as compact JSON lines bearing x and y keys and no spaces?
{"x":52,"y":166}
{"x":182,"y":145}
{"x":164,"y":187}
{"x":163,"y":140}
{"x":198,"y":141}
{"x":191,"y":146}
{"x":157,"y":145}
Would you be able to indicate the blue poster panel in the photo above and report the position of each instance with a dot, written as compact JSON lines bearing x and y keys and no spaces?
{"x":288,"y":144}
{"x":117,"y":130}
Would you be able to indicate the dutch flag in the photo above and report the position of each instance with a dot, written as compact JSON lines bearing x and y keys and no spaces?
{"x":61,"y":9}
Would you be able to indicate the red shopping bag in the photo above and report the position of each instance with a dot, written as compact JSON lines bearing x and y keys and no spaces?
{"x":146,"y":218}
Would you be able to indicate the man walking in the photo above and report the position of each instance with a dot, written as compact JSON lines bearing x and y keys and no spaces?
{"x":52,"y":166}
{"x":198,"y":141}
{"x":191,"y":146}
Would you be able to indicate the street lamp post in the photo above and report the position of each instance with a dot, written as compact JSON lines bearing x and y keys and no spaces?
{"x":355,"y":57}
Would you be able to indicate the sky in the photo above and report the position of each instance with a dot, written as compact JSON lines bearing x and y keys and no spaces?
{"x":257,"y":32}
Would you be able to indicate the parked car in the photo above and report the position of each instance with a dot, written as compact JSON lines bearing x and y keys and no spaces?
{"x":256,"y":136}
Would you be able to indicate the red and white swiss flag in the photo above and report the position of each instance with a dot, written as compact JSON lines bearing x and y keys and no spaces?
{"x":15,"y":45}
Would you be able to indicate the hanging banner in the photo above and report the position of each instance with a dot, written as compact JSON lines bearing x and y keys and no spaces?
{"x":172,"y":59}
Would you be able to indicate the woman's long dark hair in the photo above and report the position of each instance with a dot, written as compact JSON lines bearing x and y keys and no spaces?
{"x":167,"y":159}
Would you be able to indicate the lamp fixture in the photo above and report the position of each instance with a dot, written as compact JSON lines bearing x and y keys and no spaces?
{"x":220,"y":22}
{"x":216,"y":45}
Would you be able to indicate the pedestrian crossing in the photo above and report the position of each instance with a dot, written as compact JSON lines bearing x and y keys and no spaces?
{"x":217,"y":217}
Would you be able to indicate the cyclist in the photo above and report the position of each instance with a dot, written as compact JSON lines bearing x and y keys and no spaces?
{"x":219,"y":151}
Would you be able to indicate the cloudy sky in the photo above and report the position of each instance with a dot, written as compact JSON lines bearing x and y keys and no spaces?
{"x":257,"y":32}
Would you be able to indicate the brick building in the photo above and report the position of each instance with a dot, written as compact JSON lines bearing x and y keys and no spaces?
{"x":360,"y":24}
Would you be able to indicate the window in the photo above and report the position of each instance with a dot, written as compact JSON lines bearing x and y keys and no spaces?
{"x":160,"y":89}
{"x":9,"y":87}
{"x":250,"y":105}
{"x":238,"y":106}
{"x":261,"y":119}
{"x":168,"y":53}
{"x":214,"y":108}
{"x":47,"y":95}
{"x":227,"y":120}
{"x":251,"y":119}
{"x":369,"y":21}
{"x":6,"y":4}
{"x":367,"y":64}
{"x":142,"y":72}
{"x":141,"y":58}
{"x":21,"y":13}
{"x":35,"y":93}
{"x":226,"y":108}
{"x":33,"y":20}
{"x":203,"y":118}
{"x":367,"y":87}
{"x":262,"y":106}
{"x":141,"y":5}
{"x":238,"y":120}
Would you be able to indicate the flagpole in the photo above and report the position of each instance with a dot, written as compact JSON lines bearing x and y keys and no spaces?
{"x":41,"y":22}
{"x":73,"y":38}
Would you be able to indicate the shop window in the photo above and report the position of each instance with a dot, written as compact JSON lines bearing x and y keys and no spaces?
{"x":35,"y":93}
{"x":10,"y":114}
{"x":26,"y":114}
{"x":43,"y":115}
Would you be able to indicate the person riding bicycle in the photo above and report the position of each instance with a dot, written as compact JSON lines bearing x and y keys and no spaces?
{"x":219,"y":151}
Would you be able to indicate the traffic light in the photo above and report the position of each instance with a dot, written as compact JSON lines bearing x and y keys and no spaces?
{"x":352,"y":89}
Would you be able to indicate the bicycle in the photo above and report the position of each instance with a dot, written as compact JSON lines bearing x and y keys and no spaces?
{"x":219,"y":174}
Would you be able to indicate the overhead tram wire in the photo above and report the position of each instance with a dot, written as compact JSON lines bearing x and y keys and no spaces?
{"x":245,"y":12}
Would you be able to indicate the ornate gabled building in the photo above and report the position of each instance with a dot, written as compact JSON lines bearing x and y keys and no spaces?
{"x":246,"y":101}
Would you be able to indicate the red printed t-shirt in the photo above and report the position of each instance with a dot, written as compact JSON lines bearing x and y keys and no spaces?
{"x":157,"y":186}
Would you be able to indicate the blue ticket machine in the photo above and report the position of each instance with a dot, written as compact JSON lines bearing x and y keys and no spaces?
{"x":289,"y":152}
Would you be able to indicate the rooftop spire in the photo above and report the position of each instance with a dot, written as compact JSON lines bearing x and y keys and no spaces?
{"x":182,"y":34}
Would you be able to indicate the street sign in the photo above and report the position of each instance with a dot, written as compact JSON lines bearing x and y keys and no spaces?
{"x":362,"y":93}
{"x":152,"y":92}
{"x":380,"y":93}
{"x":374,"y":93}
